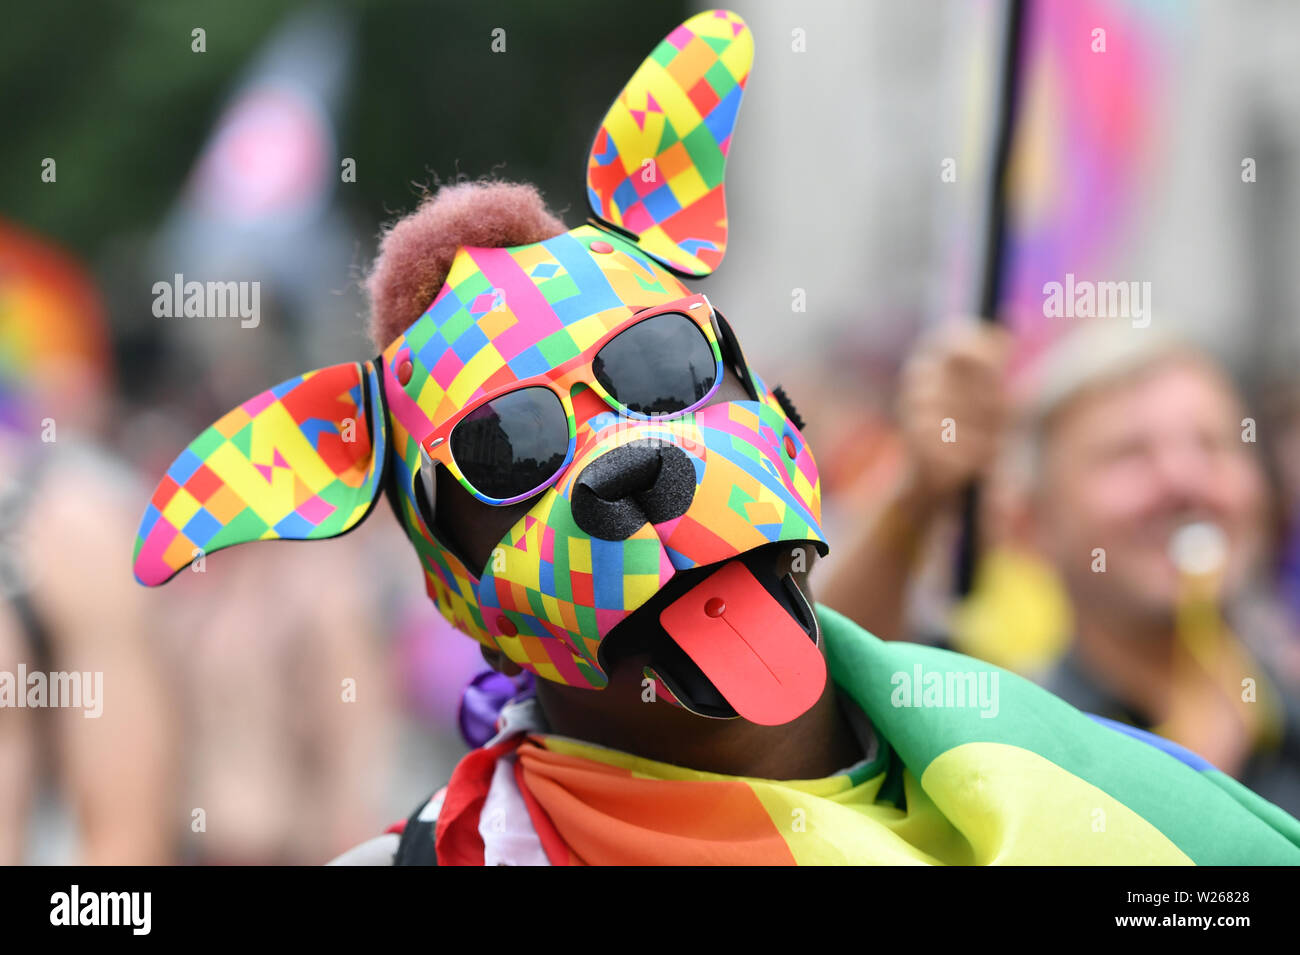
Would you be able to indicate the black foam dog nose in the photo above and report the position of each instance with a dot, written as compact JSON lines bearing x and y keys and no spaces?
{"x":623,"y":489}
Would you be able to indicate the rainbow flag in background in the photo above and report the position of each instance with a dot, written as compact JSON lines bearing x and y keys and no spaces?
{"x":1007,"y":774}
{"x":54,"y":344}
{"x":1091,"y":133}
{"x":1091,"y":145}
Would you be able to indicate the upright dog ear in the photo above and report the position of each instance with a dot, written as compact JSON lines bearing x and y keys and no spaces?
{"x":656,"y":167}
{"x":302,"y":461}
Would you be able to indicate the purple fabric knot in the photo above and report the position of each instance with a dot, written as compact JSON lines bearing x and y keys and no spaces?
{"x":483,"y":699}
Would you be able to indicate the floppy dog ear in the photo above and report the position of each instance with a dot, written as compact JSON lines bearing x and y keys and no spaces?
{"x":657,"y":164}
{"x":301,"y":461}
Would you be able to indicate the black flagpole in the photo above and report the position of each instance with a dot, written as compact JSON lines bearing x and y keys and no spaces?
{"x":990,"y":292}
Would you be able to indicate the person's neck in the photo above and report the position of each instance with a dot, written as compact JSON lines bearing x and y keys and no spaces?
{"x":817,"y":744}
{"x":1133,"y":657}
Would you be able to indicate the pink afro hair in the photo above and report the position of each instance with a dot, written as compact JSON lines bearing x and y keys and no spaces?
{"x":416,"y":252}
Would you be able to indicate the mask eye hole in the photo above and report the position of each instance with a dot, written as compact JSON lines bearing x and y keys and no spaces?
{"x":425,"y":489}
{"x":424,"y":492}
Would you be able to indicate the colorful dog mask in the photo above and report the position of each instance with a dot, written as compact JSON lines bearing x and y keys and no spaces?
{"x":677,"y":510}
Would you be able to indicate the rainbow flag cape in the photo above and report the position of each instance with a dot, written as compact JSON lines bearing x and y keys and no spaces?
{"x":972,"y":765}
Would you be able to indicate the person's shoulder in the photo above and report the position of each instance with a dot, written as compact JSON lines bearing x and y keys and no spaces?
{"x":410,"y":842}
{"x":381,"y":850}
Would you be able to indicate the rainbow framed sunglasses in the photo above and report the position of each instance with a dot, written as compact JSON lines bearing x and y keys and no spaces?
{"x":517,"y":440}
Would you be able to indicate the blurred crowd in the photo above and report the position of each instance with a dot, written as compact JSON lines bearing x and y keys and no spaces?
{"x":1138,"y":512}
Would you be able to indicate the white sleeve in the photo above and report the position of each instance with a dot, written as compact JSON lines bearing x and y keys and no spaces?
{"x":377,"y":851}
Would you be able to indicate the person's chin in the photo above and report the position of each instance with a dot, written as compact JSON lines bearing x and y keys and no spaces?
{"x":1153,"y":592}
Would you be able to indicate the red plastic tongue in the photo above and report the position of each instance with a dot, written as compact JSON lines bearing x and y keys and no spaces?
{"x":748,"y":646}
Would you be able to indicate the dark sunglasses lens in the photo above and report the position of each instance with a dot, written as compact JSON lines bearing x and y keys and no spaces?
{"x":659,"y":366}
{"x":512,"y":444}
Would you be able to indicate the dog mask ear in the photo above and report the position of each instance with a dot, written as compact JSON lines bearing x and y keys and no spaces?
{"x":301,"y":461}
{"x":656,"y":167}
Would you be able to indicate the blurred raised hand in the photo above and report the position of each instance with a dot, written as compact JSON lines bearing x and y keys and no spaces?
{"x":952,"y":409}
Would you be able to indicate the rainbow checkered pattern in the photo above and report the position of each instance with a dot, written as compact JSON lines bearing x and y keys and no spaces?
{"x":508,"y":314}
{"x":279,"y":466}
{"x":657,"y":164}
{"x":297,"y":462}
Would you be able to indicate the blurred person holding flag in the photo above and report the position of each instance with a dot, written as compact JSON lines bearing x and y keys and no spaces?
{"x":1126,"y":518}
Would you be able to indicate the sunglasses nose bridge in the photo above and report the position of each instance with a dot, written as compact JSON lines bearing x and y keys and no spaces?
{"x":578,"y":390}
{"x":586,"y":404}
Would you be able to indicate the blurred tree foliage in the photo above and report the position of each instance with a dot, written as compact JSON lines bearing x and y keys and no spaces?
{"x":112,"y":91}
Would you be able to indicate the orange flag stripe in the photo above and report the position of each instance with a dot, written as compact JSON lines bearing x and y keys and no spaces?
{"x":608,"y":816}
